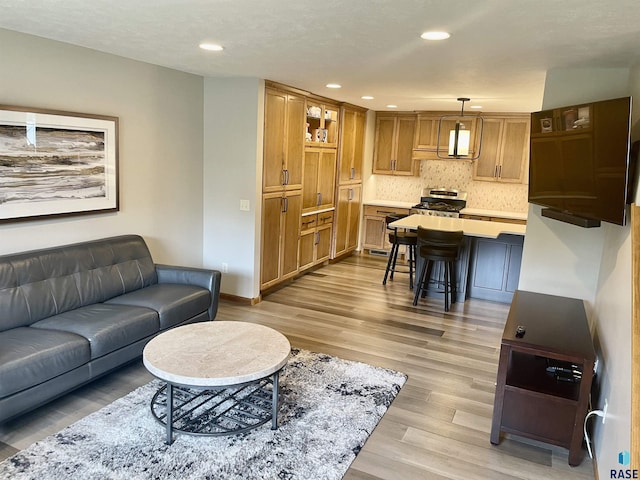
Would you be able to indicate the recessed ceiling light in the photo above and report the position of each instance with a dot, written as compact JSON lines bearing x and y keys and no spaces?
{"x":435,"y":35}
{"x":211,"y":47}
{"x":392,"y":106}
{"x":476,"y":106}
{"x":366,"y":97}
{"x":334,"y":85}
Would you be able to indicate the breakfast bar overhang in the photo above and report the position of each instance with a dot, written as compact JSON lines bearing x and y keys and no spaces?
{"x":489,"y":264}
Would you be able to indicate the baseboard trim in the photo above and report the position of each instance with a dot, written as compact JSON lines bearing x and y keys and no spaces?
{"x":238,"y":299}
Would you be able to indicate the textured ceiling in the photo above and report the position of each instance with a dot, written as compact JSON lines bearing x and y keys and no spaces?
{"x":497,"y":55}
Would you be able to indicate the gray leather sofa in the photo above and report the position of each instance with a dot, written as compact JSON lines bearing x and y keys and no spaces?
{"x":72,"y":313}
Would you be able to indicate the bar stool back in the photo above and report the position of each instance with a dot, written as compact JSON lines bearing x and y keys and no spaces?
{"x":396,"y":238}
{"x":438,"y":246}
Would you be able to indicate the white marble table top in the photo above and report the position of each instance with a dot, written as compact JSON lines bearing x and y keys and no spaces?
{"x":471,"y":228}
{"x":216,"y":353}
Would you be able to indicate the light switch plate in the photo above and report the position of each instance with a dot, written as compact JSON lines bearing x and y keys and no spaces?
{"x":244,"y":205}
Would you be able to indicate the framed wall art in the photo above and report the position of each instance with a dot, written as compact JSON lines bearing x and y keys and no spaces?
{"x":56,"y":163}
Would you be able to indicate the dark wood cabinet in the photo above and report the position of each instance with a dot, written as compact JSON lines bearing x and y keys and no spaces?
{"x":494,"y":270}
{"x":533,"y":400}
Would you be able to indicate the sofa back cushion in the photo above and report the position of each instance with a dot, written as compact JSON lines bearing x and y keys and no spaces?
{"x":41,"y":283}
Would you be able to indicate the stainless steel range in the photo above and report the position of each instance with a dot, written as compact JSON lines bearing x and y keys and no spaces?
{"x":440,"y":202}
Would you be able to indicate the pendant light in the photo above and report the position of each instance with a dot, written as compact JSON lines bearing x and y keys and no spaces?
{"x":460,"y":136}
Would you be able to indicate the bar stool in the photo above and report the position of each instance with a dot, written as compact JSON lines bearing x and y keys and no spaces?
{"x":397,"y":238}
{"x":438,"y":246}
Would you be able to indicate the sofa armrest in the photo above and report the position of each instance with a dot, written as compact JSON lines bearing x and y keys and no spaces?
{"x":209,"y":279}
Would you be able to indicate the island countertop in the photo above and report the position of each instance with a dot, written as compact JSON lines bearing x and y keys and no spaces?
{"x":471,"y":228}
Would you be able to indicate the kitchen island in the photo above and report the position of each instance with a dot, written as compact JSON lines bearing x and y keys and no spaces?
{"x":489,"y":264}
{"x":471,"y":228}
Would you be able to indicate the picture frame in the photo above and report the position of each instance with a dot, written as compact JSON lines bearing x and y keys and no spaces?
{"x":56,"y":163}
{"x":546,"y":125}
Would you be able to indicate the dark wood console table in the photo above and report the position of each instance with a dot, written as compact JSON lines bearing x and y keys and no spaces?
{"x":530,"y":400}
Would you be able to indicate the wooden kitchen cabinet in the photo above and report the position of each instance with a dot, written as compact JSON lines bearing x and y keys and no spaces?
{"x":351,"y":146}
{"x":533,"y":400}
{"x":426,"y":134}
{"x":284,"y":120}
{"x":304,"y":138}
{"x":321,"y":124}
{"x":505,"y":149}
{"x":375,"y":227}
{"x":315,"y":239}
{"x":393,"y":150}
{"x":349,"y":189}
{"x":318,"y":183}
{"x":280,"y":231}
{"x":494,"y":270}
{"x":347,"y":222}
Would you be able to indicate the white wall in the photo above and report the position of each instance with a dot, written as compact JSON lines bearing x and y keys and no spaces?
{"x":592,"y":264}
{"x":233,"y":130}
{"x":613,"y":328}
{"x":160,"y":154}
{"x":613,"y":339}
{"x":560,"y":258}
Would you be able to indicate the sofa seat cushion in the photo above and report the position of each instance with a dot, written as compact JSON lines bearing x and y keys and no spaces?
{"x":106,"y":327}
{"x":174,"y":303}
{"x":30,"y":356}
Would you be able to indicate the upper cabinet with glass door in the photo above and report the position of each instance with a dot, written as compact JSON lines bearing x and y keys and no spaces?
{"x":322,"y":124}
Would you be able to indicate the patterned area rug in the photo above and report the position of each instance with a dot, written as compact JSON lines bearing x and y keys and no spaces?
{"x":329,"y":408}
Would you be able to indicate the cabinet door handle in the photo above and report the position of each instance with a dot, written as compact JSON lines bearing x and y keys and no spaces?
{"x":287,"y":176}
{"x":495,"y":171}
{"x":285,"y":205}
{"x":317,"y":238}
{"x":353,"y":173}
{"x":284,"y":177}
{"x":319,"y":198}
{"x":350,"y":194}
{"x":500,"y":171}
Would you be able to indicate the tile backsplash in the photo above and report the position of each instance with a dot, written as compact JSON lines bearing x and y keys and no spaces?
{"x":453,"y":174}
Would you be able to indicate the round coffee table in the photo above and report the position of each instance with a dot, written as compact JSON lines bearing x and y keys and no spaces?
{"x":221,"y":378}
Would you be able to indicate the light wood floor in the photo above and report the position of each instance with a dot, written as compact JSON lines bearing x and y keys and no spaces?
{"x":438,"y":426}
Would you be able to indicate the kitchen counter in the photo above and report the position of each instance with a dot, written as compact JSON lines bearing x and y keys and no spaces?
{"x":471,"y":228}
{"x":389,"y":203}
{"x":493,"y":213}
{"x":465,"y":211}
